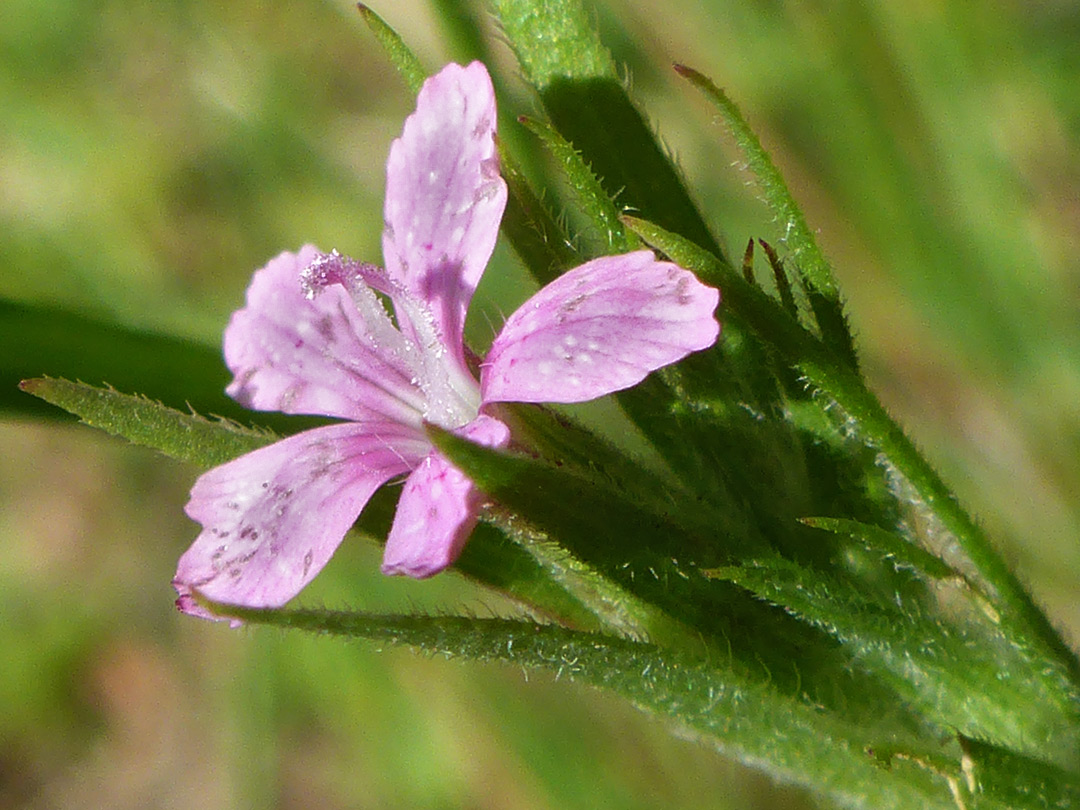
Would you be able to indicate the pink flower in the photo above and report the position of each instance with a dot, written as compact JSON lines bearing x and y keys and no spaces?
{"x":314,"y":338}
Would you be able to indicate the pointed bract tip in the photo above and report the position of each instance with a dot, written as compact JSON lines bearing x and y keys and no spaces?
{"x":748,"y":261}
{"x":630,"y":221}
{"x":688,"y":73}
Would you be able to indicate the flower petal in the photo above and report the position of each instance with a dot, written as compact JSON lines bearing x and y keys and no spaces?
{"x":272,"y":518}
{"x":438,"y":509}
{"x":320,"y":355}
{"x":599,"y":328}
{"x":444,"y":196}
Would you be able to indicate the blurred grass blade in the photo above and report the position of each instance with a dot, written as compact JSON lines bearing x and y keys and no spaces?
{"x":595,"y":203}
{"x":461,"y":28}
{"x":951,"y":673}
{"x":178,"y":373}
{"x":47,"y":340}
{"x":562,"y":57}
{"x":797,"y":234}
{"x":745,"y":717}
{"x":183,"y":436}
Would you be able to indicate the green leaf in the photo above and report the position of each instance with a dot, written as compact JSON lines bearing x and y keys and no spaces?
{"x":399,"y":53}
{"x":562,"y":57}
{"x":554,"y":40}
{"x":1013,"y":780}
{"x":806,"y":255}
{"x":725,"y":438}
{"x":492,"y":558}
{"x":783,"y":284}
{"x":658,"y":556}
{"x":797,"y":234}
{"x":617,"y":610}
{"x":745,"y":717}
{"x":542,"y":244}
{"x":603,"y":533}
{"x":489,"y":556}
{"x":595,"y":203}
{"x":563,"y":443}
{"x":184,"y":436}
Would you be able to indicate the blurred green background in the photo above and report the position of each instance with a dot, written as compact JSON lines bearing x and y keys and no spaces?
{"x":153,"y":154}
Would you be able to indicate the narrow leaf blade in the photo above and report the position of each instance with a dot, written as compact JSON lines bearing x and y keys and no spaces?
{"x":400,"y":55}
{"x":595,"y":203}
{"x":800,"y":239}
{"x":183,"y":436}
{"x":1049,"y":658}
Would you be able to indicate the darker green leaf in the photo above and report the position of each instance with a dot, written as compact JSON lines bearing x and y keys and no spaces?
{"x":179,"y":373}
{"x":953,"y":672}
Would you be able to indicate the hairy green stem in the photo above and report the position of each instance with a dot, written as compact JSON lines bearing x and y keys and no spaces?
{"x":837,"y":380}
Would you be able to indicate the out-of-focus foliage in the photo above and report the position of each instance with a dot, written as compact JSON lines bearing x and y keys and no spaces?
{"x":153,"y":154}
